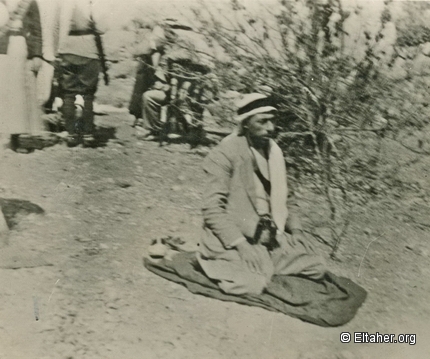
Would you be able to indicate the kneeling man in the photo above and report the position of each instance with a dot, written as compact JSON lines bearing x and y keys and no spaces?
{"x":251,"y":232}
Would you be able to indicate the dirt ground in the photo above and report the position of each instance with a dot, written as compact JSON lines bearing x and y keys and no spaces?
{"x":80,"y":289}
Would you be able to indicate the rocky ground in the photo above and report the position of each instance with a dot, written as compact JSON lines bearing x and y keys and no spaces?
{"x":73,"y":284}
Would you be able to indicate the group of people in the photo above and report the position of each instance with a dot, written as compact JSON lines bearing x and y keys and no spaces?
{"x":40,"y":39}
{"x":35,"y":37}
{"x":158,"y":83}
{"x":252,"y":228}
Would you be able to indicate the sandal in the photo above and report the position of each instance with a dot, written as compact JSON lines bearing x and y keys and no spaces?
{"x":177,"y":244}
{"x":158,"y":249}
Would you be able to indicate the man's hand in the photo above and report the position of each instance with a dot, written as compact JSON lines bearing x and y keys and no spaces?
{"x":250,"y":254}
{"x":36,"y":64}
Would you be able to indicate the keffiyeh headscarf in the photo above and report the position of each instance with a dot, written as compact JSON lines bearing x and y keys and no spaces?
{"x":252,"y":104}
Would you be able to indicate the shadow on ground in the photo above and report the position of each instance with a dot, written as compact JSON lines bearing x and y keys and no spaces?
{"x":14,"y":209}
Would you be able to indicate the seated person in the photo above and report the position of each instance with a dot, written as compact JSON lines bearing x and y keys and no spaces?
{"x":149,"y":54}
{"x":191,"y":104}
{"x":251,"y":232}
{"x":152,"y":101}
{"x":184,"y":107}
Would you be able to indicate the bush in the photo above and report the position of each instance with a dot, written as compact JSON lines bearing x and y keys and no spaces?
{"x":335,"y":109}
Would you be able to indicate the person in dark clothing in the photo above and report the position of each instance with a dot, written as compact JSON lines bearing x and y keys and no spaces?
{"x":149,"y":54}
{"x":80,"y":67}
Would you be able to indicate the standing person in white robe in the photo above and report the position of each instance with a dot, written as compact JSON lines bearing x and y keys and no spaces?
{"x":50,"y":19}
{"x":21,"y":59}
